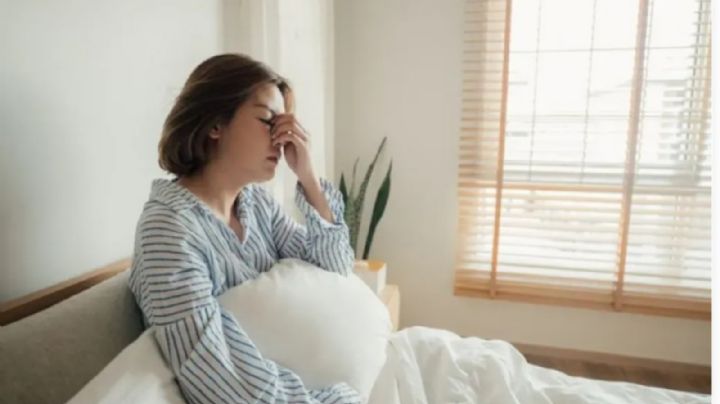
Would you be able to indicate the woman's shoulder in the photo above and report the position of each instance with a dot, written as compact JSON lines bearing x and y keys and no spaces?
{"x":159,"y":224}
{"x":159,"y":212}
{"x":164,"y":229}
{"x":170,"y":204}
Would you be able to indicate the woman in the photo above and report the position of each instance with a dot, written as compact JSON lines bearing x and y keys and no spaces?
{"x":212,"y":228}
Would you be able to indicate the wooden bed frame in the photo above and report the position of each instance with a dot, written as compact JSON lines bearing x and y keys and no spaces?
{"x":17,"y":309}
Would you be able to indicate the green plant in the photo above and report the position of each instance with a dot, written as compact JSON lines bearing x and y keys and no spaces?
{"x":354,"y":202}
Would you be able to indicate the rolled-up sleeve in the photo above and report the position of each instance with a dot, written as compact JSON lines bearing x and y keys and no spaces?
{"x":325,"y":244}
{"x":210,"y":354}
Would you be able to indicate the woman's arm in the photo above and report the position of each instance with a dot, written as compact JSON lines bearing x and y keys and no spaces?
{"x":212,"y":357}
{"x":321,"y":242}
{"x":325,"y":241}
{"x":315,"y":197}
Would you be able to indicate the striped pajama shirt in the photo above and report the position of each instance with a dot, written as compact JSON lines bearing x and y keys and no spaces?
{"x":185,"y":257}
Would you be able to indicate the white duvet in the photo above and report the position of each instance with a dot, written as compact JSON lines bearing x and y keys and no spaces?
{"x":350,"y":341}
{"x":433,"y":366}
{"x":423,"y":366}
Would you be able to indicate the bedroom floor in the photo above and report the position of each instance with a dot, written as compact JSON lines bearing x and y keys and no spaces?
{"x":676,"y":380}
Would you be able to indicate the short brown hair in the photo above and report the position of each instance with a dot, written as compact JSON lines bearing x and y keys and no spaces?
{"x":212,"y":93}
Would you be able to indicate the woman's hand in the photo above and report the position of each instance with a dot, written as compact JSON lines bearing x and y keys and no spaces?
{"x":294,"y":140}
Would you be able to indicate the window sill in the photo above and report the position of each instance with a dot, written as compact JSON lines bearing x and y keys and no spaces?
{"x":697,"y":310}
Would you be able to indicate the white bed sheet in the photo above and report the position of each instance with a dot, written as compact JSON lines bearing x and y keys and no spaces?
{"x":431,"y":366}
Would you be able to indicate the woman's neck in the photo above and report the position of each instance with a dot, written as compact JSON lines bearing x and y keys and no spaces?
{"x":215,"y":189}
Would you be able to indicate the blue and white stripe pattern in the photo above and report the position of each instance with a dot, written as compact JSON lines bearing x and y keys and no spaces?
{"x":185,"y":257}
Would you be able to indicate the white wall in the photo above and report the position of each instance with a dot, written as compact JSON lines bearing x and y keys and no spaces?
{"x":84,"y":89}
{"x":305,"y":57}
{"x":398,"y":66}
{"x":295,"y":39}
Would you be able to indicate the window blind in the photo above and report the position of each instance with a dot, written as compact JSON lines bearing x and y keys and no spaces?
{"x":584,"y":162}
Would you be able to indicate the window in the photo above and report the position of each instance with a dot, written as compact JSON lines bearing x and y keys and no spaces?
{"x":584,"y":174}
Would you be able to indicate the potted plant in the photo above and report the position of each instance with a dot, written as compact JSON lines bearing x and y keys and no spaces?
{"x":354,"y":201}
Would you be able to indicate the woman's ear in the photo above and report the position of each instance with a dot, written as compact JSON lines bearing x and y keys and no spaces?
{"x":215,"y":131}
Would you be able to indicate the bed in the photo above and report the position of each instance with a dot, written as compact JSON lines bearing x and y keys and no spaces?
{"x":426,"y":365}
{"x":417,"y":365}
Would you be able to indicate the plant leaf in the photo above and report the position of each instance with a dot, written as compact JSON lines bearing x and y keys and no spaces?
{"x":378,"y":210}
{"x":360,"y":200}
{"x":348,"y":211}
{"x":343,"y":189}
{"x":351,"y":215}
{"x":352,"y":180}
{"x":352,"y":224}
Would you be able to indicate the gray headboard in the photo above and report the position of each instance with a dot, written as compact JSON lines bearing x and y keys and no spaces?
{"x":51,"y":355}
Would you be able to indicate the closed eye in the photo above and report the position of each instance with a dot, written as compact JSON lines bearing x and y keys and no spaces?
{"x":266,"y":122}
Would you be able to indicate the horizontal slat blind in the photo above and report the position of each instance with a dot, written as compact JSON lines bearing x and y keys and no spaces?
{"x":482,"y":124}
{"x":584,"y":176}
{"x":672,"y":260}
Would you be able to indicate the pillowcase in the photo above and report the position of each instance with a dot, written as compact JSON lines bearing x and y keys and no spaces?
{"x":138,"y":375}
{"x":325,"y":327}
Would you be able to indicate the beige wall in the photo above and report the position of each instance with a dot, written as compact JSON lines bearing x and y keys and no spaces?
{"x":398,"y":74}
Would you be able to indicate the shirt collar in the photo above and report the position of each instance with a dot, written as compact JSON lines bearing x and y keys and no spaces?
{"x":179,"y":198}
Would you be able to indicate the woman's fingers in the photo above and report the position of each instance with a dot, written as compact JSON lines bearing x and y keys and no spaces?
{"x":285,"y":137}
{"x":293,"y":131}
{"x":282,"y":118}
{"x":286,"y":128}
{"x":293,"y":140}
{"x":284,"y":122}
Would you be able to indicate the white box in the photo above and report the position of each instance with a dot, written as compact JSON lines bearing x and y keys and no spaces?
{"x":373,"y":273}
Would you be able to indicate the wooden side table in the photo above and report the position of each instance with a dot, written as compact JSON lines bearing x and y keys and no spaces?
{"x":373,"y":273}
{"x":390,"y":296}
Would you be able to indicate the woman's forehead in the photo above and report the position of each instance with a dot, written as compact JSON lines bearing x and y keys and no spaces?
{"x":269,"y":95}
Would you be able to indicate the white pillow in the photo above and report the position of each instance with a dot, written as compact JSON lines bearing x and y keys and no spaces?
{"x":325,"y":327}
{"x":138,"y":375}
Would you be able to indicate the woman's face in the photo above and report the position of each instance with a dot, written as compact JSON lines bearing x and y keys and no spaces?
{"x":244,"y":145}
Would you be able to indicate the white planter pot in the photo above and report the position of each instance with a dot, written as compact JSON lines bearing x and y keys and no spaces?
{"x":373,"y":273}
